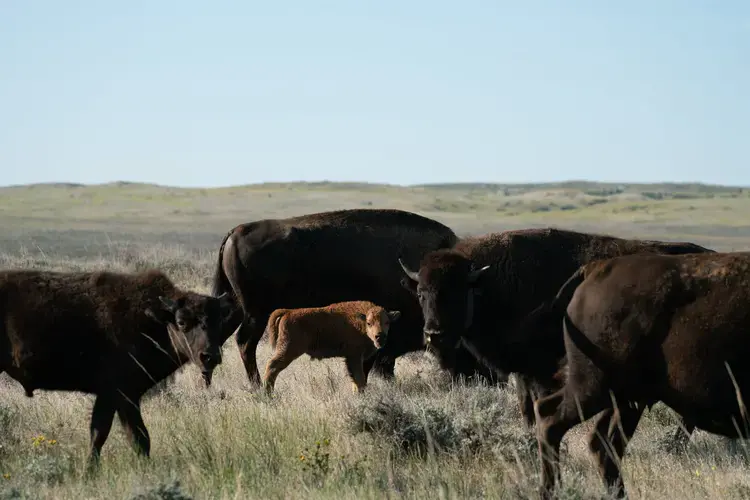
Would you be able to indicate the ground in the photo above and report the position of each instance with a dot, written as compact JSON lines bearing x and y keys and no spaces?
{"x":419,"y":438}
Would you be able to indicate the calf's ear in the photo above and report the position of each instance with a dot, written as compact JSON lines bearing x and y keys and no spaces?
{"x":394,"y":315}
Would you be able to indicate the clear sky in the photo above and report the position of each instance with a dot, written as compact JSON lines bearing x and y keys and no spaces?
{"x":198,"y":93}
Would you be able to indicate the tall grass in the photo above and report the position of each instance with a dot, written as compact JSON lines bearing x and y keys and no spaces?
{"x":420,"y":437}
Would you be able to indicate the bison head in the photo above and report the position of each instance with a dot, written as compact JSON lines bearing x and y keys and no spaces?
{"x":194,"y":323}
{"x":378,"y":323}
{"x":445,"y":287}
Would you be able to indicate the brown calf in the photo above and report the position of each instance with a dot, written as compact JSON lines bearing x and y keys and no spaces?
{"x":353,"y":330}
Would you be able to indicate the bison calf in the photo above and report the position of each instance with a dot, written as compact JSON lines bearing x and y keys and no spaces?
{"x":353,"y":330}
{"x":108,"y":334}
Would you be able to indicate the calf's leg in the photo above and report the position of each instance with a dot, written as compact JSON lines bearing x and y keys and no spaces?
{"x":101,"y":423}
{"x":357,"y":373}
{"x":280,"y":359}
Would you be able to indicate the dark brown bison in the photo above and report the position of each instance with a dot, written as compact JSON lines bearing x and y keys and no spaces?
{"x":641,"y":329}
{"x":352,"y":330}
{"x":319,"y":259}
{"x":108,"y":334}
{"x":476,"y":294}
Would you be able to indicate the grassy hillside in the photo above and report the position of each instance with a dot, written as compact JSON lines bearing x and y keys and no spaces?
{"x":421,"y":437}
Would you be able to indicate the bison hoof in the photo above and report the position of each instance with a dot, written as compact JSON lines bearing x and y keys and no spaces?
{"x":357,"y":389}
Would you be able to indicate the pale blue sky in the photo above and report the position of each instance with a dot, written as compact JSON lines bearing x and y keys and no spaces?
{"x":403,"y":91}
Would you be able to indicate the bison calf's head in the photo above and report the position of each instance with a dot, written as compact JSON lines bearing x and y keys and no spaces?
{"x":378,"y":323}
{"x":194,"y":323}
{"x":446,"y":285}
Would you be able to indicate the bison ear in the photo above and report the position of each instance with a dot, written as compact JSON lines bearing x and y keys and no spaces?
{"x":159,"y":315}
{"x":394,"y":315}
{"x":361,"y":316}
{"x":168,"y":304}
{"x":409,"y":285}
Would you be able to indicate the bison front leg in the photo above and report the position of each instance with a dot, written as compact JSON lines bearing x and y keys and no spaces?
{"x":248,"y":336}
{"x":129,"y":412}
{"x":619,"y":426}
{"x":356,"y":371}
{"x":101,"y":423}
{"x":382,"y":364}
{"x":525,"y":400}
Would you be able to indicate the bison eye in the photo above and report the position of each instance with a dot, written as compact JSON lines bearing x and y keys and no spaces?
{"x":181,"y":323}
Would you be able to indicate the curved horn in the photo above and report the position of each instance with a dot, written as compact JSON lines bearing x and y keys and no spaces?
{"x":411,"y":274}
{"x":474,"y":275}
{"x":223,"y":296}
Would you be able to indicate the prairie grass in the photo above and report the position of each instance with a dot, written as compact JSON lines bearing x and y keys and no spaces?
{"x":419,"y":437}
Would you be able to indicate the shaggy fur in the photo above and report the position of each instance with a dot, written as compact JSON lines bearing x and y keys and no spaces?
{"x":641,"y":329}
{"x":353,"y":330}
{"x":323,"y":258}
{"x":475,"y":295}
{"x":108,"y":334}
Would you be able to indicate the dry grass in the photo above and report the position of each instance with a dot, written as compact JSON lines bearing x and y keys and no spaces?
{"x":421,"y":437}
{"x":417,"y":438}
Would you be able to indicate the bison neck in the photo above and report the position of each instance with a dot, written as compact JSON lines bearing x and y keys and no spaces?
{"x":536,"y":355}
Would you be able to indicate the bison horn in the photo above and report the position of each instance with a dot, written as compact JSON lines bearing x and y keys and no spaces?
{"x":411,"y":274}
{"x":475,"y":274}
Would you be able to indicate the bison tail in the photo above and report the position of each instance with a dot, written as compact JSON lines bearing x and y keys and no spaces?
{"x":551,"y":311}
{"x":221,"y":283}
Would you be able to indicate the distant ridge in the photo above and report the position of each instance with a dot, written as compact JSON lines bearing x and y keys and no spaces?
{"x":613,"y":187}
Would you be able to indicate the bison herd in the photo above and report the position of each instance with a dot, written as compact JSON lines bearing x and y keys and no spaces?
{"x":589,"y":324}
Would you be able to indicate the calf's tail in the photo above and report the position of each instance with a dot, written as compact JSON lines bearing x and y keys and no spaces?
{"x":272,"y":327}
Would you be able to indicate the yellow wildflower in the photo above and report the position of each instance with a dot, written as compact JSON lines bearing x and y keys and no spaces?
{"x":6,"y":475}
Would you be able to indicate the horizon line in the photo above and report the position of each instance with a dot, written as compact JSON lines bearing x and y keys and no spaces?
{"x":467,"y":184}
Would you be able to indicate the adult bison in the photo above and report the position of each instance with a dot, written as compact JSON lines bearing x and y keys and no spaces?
{"x":112,"y":335}
{"x":641,"y":329}
{"x":476,"y":294}
{"x":319,"y":259}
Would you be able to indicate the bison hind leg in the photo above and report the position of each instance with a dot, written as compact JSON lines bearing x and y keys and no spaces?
{"x":619,"y":425}
{"x":129,"y":412}
{"x":555,"y":415}
{"x":101,"y":423}
{"x":280,"y":359}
